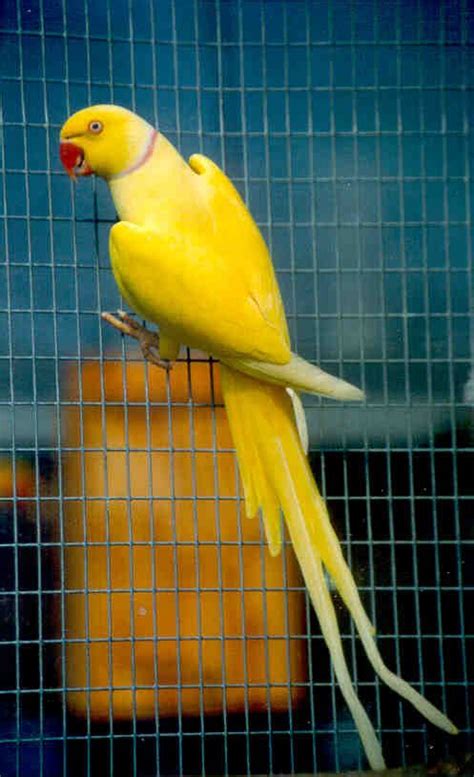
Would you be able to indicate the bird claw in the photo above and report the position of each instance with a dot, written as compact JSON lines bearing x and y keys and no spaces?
{"x":150,"y":351}
{"x":148,"y":341}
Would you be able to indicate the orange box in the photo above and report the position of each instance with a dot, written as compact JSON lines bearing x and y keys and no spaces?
{"x":172,"y":603}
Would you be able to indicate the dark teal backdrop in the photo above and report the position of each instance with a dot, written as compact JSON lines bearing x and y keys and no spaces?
{"x":347,"y":128}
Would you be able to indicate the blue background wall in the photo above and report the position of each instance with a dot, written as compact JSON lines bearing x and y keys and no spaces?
{"x":347,"y":128}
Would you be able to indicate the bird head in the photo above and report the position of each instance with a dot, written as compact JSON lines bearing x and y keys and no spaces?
{"x":105,"y":140}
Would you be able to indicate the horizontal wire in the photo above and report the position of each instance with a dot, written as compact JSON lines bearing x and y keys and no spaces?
{"x":244,"y":638}
{"x":326,"y":729}
{"x":223,"y":589}
{"x":413,"y":43}
{"x":175,"y":686}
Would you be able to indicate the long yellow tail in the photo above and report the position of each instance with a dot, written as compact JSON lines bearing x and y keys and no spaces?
{"x":276,"y":478}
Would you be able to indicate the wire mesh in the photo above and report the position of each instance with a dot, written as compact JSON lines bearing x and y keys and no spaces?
{"x":346,"y":127}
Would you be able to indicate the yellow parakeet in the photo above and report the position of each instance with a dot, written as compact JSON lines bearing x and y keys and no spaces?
{"x":188,"y":257}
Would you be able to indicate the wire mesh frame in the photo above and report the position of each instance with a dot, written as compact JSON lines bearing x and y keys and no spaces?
{"x":312,"y":272}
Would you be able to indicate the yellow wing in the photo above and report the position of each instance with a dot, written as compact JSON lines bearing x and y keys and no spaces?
{"x":192,"y":295}
{"x":213,"y":289}
{"x":238,"y":239}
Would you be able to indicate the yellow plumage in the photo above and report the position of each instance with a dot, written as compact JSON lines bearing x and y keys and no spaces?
{"x":187,"y":256}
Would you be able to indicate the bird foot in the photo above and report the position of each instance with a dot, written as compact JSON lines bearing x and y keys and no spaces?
{"x":149,"y":341}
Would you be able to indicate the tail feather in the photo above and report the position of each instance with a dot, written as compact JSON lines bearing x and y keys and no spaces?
{"x":301,"y":376}
{"x":258,"y":492}
{"x":322,"y":602}
{"x":300,"y":418}
{"x":270,"y":454}
{"x":247,"y":464}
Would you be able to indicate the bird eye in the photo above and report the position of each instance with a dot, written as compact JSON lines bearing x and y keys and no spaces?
{"x":96,"y":127}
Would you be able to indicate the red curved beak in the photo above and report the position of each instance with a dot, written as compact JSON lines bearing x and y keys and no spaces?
{"x":73,"y":160}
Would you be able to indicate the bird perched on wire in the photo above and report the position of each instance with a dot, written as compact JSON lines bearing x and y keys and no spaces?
{"x":187,"y":256}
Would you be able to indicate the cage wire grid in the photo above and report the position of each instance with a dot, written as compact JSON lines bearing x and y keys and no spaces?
{"x":346,"y":127}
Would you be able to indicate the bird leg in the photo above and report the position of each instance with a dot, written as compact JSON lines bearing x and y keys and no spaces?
{"x":149,"y":341}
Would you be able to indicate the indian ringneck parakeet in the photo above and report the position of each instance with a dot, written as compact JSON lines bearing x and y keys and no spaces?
{"x":187,"y":256}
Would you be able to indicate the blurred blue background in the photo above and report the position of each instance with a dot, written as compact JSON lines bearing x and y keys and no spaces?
{"x":347,"y":128}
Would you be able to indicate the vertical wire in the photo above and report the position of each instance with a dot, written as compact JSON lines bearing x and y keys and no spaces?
{"x":106,"y":501}
{"x":294,"y":308}
{"x":171,"y":438}
{"x":84,"y":516}
{"x":239,"y":504}
{"x":239,"y":501}
{"x":15,"y":532}
{"x":34,"y":398}
{"x":457,"y":524}
{"x":175,"y":569}
{"x":347,"y":505}
{"x":312,"y":173}
{"x":444,"y":108}
{"x":220,"y":576}
{"x":338,"y":323}
{"x":131,"y":560}
{"x":406,"y":354}
{"x":243,"y":112}
{"x":108,"y":542}
{"x":59,"y":428}
{"x":384,"y":398}
{"x":197,"y":555}
{"x":404,"y":305}
{"x":153,"y":574}
{"x":266,"y":130}
{"x":363,"y":382}
{"x":426,"y":302}
{"x":151,"y":510}
{"x":222,"y":128}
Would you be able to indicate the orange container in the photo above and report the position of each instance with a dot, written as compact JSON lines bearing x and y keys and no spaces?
{"x":172,"y":602}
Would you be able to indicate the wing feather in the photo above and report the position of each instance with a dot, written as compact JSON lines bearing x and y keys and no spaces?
{"x":207,"y":279}
{"x":241,"y":242}
{"x":185,"y":287}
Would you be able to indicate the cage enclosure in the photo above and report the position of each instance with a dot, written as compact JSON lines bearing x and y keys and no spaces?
{"x":144,"y":627}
